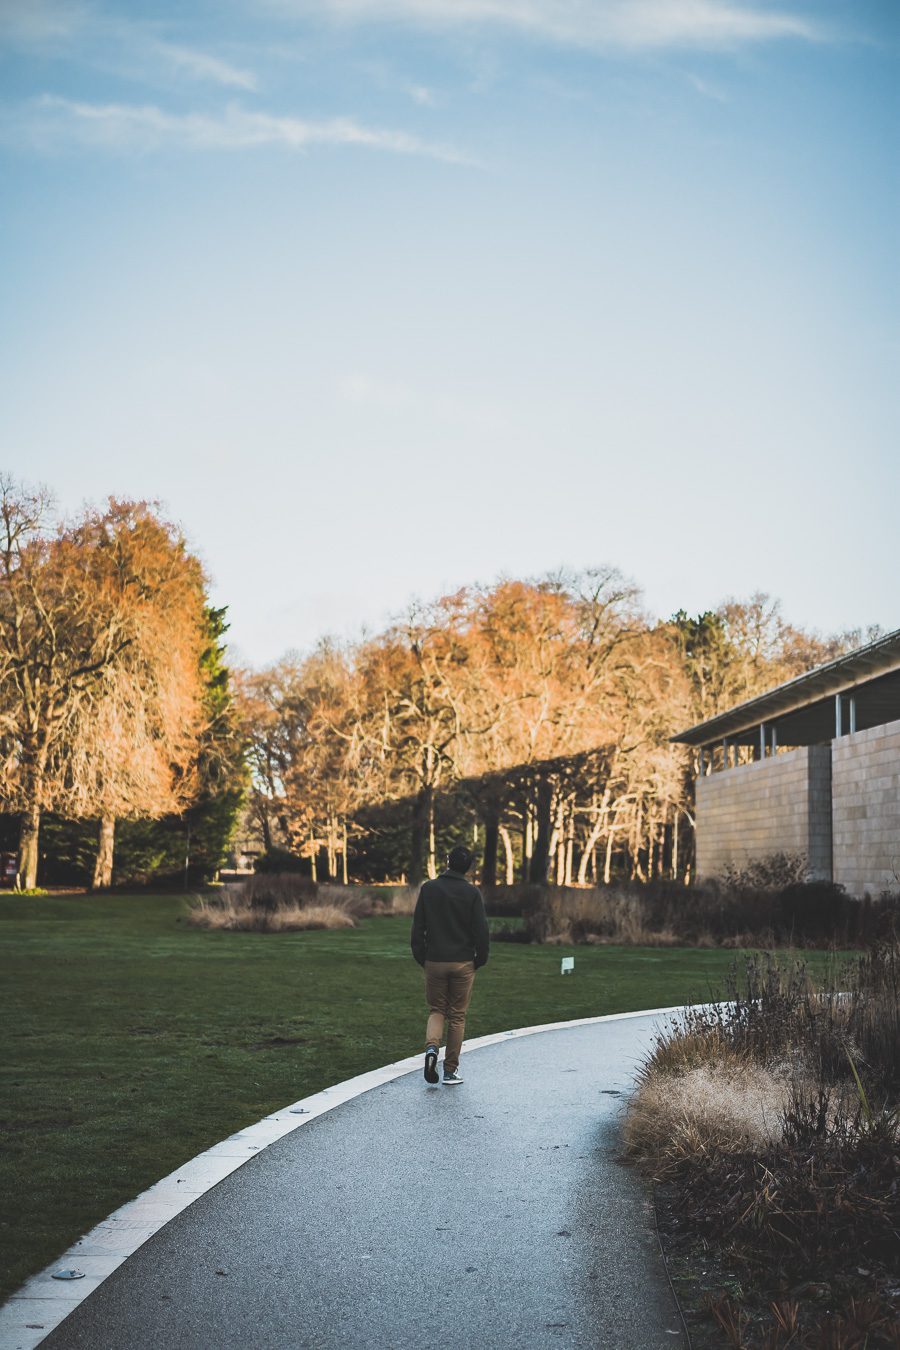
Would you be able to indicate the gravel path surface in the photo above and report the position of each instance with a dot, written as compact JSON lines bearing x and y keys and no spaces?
{"x":494,"y":1214}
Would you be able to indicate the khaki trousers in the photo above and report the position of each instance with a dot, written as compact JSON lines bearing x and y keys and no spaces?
{"x":448,"y":988}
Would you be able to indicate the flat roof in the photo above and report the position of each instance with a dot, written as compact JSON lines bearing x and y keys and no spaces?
{"x":878,"y":658}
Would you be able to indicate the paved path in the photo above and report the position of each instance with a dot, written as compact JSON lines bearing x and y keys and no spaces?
{"x":489,"y":1215}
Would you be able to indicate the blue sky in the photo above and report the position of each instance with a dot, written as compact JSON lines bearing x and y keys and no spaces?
{"x":380,"y":297}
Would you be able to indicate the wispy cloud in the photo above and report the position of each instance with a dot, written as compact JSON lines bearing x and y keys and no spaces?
{"x":706,"y":89}
{"x":52,"y":123}
{"x":41,"y":23}
{"x":421,"y":94}
{"x":600,"y":24}
{"x":202,"y":66}
{"x":133,"y":48}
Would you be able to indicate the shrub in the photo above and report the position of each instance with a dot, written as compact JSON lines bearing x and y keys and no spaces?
{"x":664,"y":913}
{"x":774,"y":1121}
{"x":776,"y":1018}
{"x":506,"y":902}
{"x":770,"y":873}
{"x":281,"y":860}
{"x":271,"y":889}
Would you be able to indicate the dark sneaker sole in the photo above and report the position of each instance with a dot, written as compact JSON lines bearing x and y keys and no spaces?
{"x":431,"y":1073}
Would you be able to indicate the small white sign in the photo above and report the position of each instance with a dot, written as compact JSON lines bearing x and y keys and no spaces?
{"x":568,"y":966}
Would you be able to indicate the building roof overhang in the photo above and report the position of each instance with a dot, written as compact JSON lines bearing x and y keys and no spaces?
{"x":881,"y":657}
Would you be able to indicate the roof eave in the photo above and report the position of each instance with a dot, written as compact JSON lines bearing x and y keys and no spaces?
{"x":843,"y":673}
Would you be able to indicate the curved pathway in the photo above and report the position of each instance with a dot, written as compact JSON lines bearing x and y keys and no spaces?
{"x":491,"y":1214}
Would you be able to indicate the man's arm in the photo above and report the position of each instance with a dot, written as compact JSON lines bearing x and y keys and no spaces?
{"x":480,"y":932}
{"x":417,"y":936}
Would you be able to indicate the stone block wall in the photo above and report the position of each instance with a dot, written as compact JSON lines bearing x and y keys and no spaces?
{"x":777,"y":805}
{"x":866,"y":809}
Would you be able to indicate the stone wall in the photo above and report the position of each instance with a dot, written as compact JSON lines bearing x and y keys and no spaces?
{"x":776,"y":805}
{"x":866,"y":809}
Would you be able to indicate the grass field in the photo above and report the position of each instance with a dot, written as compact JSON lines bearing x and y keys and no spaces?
{"x":132,"y":1042}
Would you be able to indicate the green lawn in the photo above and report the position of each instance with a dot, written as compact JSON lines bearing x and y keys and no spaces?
{"x":132,"y":1041}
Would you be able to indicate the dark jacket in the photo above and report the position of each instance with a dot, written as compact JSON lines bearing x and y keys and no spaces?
{"x":449,"y":923}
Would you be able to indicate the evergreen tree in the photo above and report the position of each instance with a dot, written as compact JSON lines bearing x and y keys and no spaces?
{"x":195,"y":844}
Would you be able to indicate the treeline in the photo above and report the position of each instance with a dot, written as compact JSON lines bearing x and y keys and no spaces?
{"x":115,"y":703}
{"x":531,"y":716}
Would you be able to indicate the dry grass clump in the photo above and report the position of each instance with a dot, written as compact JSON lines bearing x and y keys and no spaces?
{"x":723,"y":1107}
{"x":397,"y":900}
{"x":292,"y":917}
{"x":568,"y":915}
{"x":278,"y":903}
{"x":774,"y":1122}
{"x":312,"y":916}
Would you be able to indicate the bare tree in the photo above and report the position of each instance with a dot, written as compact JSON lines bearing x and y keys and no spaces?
{"x":60,"y":628}
{"x":132,"y":740}
{"x":544,"y":708}
{"x":95,"y":707}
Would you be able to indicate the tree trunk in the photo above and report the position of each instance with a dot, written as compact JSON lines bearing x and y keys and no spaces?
{"x":527,"y":839}
{"x":313,"y":850}
{"x":570,"y":846}
{"x":675,"y":846}
{"x":29,"y":833}
{"x":590,"y":847}
{"x":636,"y":869}
{"x":344,"y":854}
{"x":607,"y":861}
{"x":103,"y":862}
{"x":508,"y":850}
{"x":540,"y":858}
{"x":418,"y":835}
{"x":330,"y":866}
{"x":432,"y":858}
{"x":558,"y":843}
{"x":489,"y":857}
{"x":262,"y":815}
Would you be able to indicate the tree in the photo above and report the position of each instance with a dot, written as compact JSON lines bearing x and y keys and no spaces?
{"x":190,"y":845}
{"x":536,"y":714}
{"x":112,"y":686}
{"x":267,"y":710}
{"x":63,"y":624}
{"x":409,"y":724}
{"x":133,"y":744}
{"x":324,"y":782}
{"x":220,"y":768}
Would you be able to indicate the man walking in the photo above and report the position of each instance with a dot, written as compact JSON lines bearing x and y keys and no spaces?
{"x":450,"y":939}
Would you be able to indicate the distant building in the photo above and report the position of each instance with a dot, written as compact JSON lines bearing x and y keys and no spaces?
{"x":820,"y":777}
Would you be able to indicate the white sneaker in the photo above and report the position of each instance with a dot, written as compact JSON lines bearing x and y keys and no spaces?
{"x":452,"y":1077}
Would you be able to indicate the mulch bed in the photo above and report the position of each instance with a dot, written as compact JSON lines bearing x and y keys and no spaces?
{"x":799,"y":1247}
